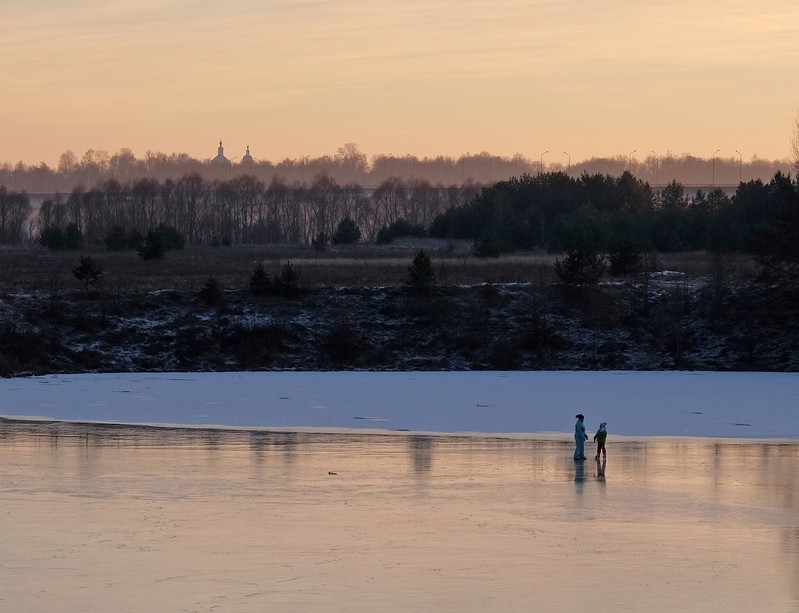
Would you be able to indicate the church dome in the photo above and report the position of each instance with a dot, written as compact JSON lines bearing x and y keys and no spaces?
{"x":220,"y":159}
{"x":247,"y":160}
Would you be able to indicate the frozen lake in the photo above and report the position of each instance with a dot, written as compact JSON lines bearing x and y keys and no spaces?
{"x":108,"y":518}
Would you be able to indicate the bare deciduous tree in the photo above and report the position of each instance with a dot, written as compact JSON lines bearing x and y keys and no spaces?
{"x":795,"y":144}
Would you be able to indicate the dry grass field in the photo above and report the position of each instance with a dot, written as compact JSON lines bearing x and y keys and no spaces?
{"x":36,"y":269}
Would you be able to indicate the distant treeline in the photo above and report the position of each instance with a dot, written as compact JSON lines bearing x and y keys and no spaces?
{"x":235,"y":211}
{"x":351,"y":166}
{"x":550,"y":211}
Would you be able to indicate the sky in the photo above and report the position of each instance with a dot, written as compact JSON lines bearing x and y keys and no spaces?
{"x":747,"y":405}
{"x":558,"y":80}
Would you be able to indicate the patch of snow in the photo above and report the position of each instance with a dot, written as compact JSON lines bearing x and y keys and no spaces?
{"x":666,"y":274}
{"x":635,"y":404}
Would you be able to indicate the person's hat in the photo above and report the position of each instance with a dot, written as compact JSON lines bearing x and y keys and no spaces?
{"x":580,"y":416}
{"x":603,"y":424}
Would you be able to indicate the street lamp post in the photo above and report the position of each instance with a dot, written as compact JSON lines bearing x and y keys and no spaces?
{"x":657,"y":170}
{"x":630,"y":161}
{"x":569,"y":172}
{"x":541,"y":162}
{"x":740,"y":164}
{"x":713,"y":175}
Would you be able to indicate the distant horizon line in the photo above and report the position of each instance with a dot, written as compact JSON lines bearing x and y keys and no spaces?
{"x":372,"y":158}
{"x":619,"y":157}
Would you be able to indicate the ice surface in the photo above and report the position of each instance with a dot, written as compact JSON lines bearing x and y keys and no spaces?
{"x":277,"y":517}
{"x":107,"y":518}
{"x":712,"y":404}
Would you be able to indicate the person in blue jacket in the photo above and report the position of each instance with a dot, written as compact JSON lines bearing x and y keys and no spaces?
{"x":579,"y":438}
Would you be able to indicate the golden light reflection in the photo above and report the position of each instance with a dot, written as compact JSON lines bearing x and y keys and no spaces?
{"x":279,"y":520}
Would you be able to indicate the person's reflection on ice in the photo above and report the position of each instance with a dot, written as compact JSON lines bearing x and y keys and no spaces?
{"x":579,"y":472}
{"x":600,"y":468}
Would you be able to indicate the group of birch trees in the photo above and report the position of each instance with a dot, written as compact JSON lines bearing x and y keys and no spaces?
{"x":237,"y":211}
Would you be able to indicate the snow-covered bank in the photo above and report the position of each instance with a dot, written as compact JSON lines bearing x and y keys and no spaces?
{"x":501,"y":327}
{"x":712,"y":404}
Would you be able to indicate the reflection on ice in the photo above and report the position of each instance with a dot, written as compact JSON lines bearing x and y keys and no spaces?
{"x":600,"y":468}
{"x":170,"y":519}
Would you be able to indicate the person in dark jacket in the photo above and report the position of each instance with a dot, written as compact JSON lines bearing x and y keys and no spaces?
{"x":599,"y":438}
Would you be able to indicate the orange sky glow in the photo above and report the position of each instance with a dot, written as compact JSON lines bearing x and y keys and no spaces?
{"x":434,"y":77}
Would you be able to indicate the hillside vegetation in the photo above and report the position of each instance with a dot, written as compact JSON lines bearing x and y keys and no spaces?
{"x":197,"y":309}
